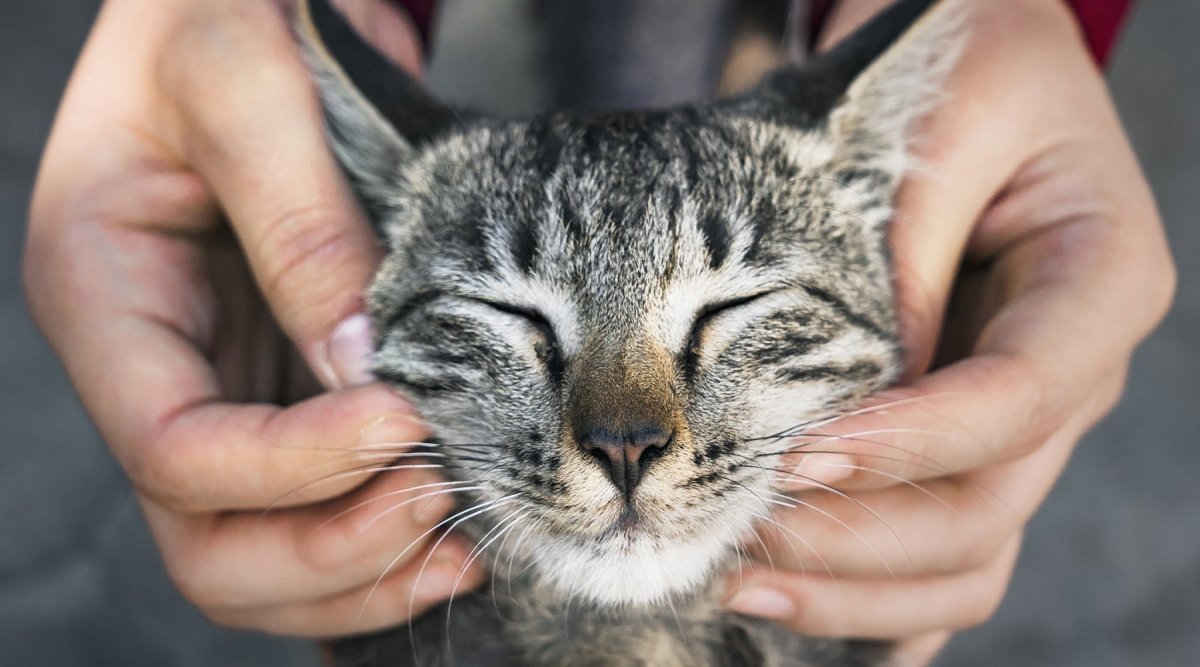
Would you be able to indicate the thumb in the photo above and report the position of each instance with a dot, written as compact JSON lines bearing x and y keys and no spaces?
{"x":253,"y":129}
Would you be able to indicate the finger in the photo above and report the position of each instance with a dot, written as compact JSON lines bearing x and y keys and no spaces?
{"x":937,"y":527}
{"x":258,"y":139}
{"x":936,"y":201}
{"x":130,"y":327}
{"x":225,"y":456}
{"x":429,"y":580}
{"x":876,"y":608}
{"x":314,"y":552}
{"x":131,"y":315}
{"x":1027,"y":378}
{"x":919,"y":651}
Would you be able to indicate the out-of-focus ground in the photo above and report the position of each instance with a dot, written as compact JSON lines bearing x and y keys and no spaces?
{"x":1109,"y":576}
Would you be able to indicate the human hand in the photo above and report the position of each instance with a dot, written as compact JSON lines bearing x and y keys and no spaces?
{"x":182,"y":114}
{"x":1028,"y":180}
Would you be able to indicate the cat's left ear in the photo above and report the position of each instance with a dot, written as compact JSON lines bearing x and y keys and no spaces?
{"x":868,"y":90}
{"x":377,"y":115}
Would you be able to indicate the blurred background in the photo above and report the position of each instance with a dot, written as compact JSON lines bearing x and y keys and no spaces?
{"x":1110,"y":572}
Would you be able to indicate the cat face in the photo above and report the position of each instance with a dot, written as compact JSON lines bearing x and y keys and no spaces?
{"x":609,"y":320}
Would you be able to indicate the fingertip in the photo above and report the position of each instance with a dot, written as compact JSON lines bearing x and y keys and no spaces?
{"x":818,"y":471}
{"x":453,"y":568}
{"x":344,"y":360}
{"x":764,"y":601}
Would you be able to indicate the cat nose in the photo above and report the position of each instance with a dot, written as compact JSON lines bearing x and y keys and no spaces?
{"x":626,"y":454}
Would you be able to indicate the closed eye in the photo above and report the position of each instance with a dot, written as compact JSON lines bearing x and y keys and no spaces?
{"x":691,"y":352}
{"x":548,"y":350}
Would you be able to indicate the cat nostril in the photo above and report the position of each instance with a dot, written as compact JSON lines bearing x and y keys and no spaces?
{"x":626,"y":455}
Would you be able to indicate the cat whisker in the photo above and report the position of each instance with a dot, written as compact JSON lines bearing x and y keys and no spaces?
{"x":878,"y":408}
{"x":390,"y":494}
{"x":454,"y":519}
{"x":458,"y":518}
{"x":917,"y":459}
{"x":922,"y":462}
{"x":893,"y":477}
{"x":512,"y":519}
{"x":766,"y":551}
{"x":859,"y":536}
{"x":808,"y":545}
{"x":462,"y":516}
{"x":793,"y":503}
{"x":428,"y":496}
{"x":368,"y":470}
{"x":941,"y":470}
{"x":495,"y":568}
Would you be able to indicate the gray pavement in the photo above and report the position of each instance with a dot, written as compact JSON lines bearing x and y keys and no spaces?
{"x":1109,"y":576}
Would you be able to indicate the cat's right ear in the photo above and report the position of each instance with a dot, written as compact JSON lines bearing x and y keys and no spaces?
{"x":377,"y":114}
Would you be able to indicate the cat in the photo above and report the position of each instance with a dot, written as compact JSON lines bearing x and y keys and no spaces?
{"x":615,"y":322}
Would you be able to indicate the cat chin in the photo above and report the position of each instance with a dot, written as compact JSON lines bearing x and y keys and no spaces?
{"x":632,"y":571}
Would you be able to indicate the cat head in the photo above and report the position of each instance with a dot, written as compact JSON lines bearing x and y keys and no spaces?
{"x":609,"y":320}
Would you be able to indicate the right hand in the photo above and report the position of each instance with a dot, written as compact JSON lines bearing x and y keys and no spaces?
{"x":182,"y":114}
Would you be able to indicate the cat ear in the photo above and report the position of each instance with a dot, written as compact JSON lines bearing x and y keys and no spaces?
{"x":869,"y":89}
{"x":377,"y":115}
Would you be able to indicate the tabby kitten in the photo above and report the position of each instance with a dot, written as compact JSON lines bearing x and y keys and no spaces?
{"x":614,"y":323}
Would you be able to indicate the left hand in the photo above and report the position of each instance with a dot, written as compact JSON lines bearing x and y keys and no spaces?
{"x":1029,"y":181}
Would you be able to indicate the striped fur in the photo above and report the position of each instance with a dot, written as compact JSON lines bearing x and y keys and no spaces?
{"x":720,"y":270}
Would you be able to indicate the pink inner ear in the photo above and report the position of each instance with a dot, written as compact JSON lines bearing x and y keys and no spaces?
{"x":387,"y":28}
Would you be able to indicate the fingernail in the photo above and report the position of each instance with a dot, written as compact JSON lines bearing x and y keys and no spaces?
{"x":348,"y":353}
{"x":763,"y":602}
{"x":390,"y":434}
{"x":818,"y":470}
{"x":439,"y":577}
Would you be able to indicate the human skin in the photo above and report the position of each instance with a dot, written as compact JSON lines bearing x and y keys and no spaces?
{"x":1029,"y":239}
{"x":182,"y":109}
{"x":186,"y":174}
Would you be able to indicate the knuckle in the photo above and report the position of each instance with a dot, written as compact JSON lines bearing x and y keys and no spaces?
{"x":984,"y":546}
{"x":977,"y":613}
{"x":346,"y":542}
{"x":226,"y":618}
{"x":981,"y":608}
{"x":990,"y":583}
{"x":1112,"y":391}
{"x":161,"y":476}
{"x":35,"y":272}
{"x":1037,"y":417}
{"x":243,"y":45}
{"x":193,"y":580}
{"x":156,"y":477}
{"x":331,"y":548}
{"x":1166,"y":283}
{"x":300,"y":244}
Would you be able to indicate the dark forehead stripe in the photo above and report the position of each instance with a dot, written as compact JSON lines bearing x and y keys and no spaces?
{"x":764,"y":219}
{"x":548,"y":146}
{"x":716,"y":238}
{"x":855,"y":318}
{"x":571,"y":220}
{"x":523,"y":243}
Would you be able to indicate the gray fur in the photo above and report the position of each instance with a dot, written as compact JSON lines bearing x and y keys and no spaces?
{"x":723,"y":263}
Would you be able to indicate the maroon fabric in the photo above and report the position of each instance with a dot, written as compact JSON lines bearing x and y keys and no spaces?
{"x":421,"y":12}
{"x":1100,"y":19}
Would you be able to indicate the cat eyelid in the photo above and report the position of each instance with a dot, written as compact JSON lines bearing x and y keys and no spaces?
{"x":690,"y":358}
{"x":708,"y":312}
{"x":533,"y":317}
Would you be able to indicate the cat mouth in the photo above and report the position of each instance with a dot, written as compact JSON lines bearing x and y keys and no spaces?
{"x":627,"y":523}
